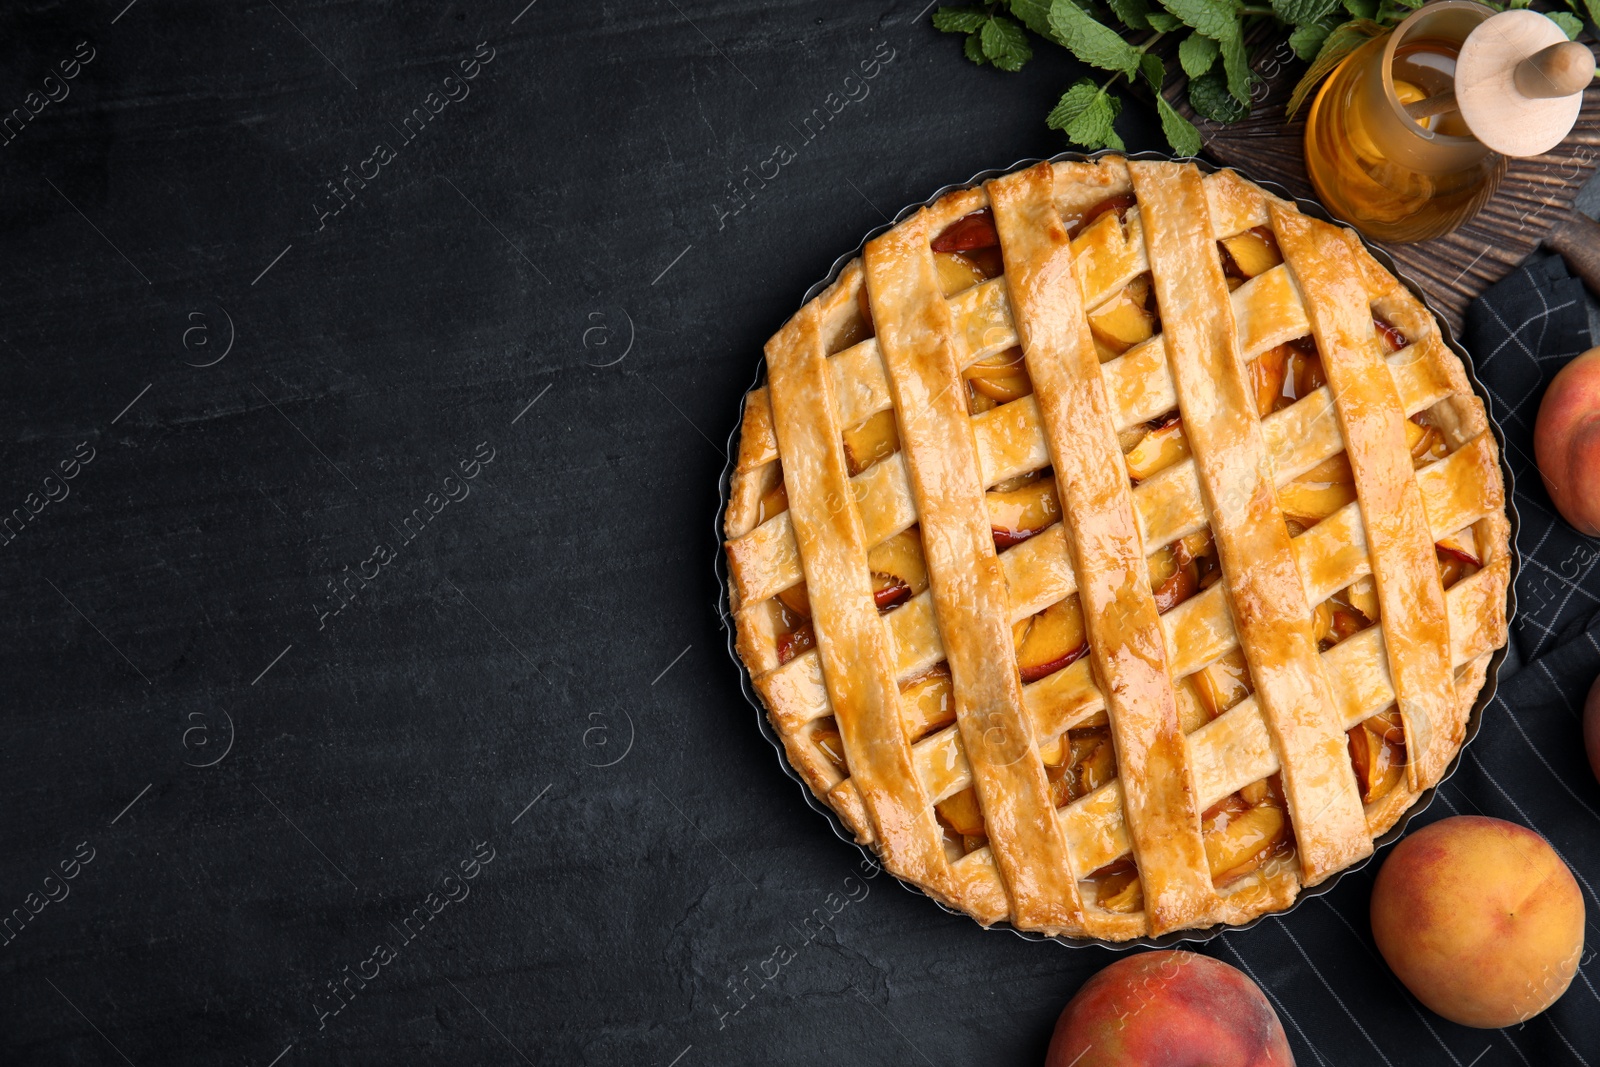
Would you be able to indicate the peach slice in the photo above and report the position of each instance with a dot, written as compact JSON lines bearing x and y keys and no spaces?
{"x":1002,"y":377}
{"x":899,"y":571}
{"x":1427,"y":443}
{"x":1392,"y":337}
{"x":1161,"y":448}
{"x":876,"y":439}
{"x":1086,"y":762}
{"x":1118,"y":890}
{"x":1123,"y":321}
{"x":1267,"y":374}
{"x":1333,"y":622}
{"x":864,"y":305}
{"x":1175,"y":571}
{"x":1102,"y":352}
{"x":826,"y":738}
{"x":1054,"y":639}
{"x":1454,"y":566}
{"x":1239,"y":837}
{"x":1362,"y":595}
{"x":797,"y":600}
{"x":961,"y":813}
{"x":970,"y":231}
{"x":1378,"y":754}
{"x":1309,"y":502}
{"x":1017,"y":514}
{"x":1224,"y":683}
{"x":928,"y":704}
{"x":1255,"y":251}
{"x":774,"y":501}
{"x":795,"y":642}
{"x":1462,"y":544}
{"x":1117,"y":205}
{"x":957,"y":272}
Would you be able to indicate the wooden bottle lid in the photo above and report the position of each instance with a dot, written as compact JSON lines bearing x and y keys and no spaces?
{"x":1519,"y":82}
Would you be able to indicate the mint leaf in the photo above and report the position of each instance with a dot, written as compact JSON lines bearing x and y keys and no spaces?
{"x":1097,"y":45}
{"x":974,"y":49}
{"x":1160,"y":20}
{"x":1004,"y":44}
{"x":1179,"y":131}
{"x":1196,"y":54}
{"x":1593,"y":7}
{"x":1307,"y":40}
{"x":1134,"y":14}
{"x":1361,"y":9}
{"x":959,"y":19}
{"x":1209,"y":96}
{"x":1085,"y":114}
{"x":1570,"y":24}
{"x":1303,"y":12}
{"x":1236,"y":64}
{"x":1216,"y":19}
{"x":1035,"y":14}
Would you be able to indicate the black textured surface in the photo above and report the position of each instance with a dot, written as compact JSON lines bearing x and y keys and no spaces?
{"x":267,"y":790}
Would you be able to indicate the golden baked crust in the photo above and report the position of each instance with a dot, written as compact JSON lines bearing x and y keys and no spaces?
{"x":807,"y":518}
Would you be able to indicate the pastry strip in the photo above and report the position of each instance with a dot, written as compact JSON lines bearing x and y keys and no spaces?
{"x":851,"y":643}
{"x":1404,"y":562}
{"x":1126,"y":640}
{"x":1266,"y":592}
{"x":916,"y":337}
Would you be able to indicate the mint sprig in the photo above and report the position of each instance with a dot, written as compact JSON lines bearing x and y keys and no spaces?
{"x":1117,"y":36}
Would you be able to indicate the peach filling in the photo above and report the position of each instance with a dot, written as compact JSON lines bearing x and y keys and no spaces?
{"x":858,"y":327}
{"x":1458,"y":557}
{"x":1021,"y":507}
{"x":898,"y":573}
{"x":962,"y":819}
{"x":1215,"y":688}
{"x":1117,"y":205}
{"x":997,"y":379}
{"x":1182,"y":569}
{"x":968,"y":233}
{"x":1247,"y":254}
{"x":1115,"y":887}
{"x":1158,"y":445}
{"x":774,"y":501}
{"x":1378,"y":753}
{"x":871,"y":442}
{"x":1051,"y":640}
{"x":1125,"y":320}
{"x":1244,"y":830}
{"x":1079,"y":762}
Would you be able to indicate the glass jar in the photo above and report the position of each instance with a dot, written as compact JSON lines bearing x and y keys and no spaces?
{"x":1394,"y":177}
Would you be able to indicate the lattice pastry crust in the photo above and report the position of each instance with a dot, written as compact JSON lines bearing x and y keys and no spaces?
{"x":1116,"y":549}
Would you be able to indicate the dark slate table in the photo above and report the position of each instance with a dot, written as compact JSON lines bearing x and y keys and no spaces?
{"x":367,"y":373}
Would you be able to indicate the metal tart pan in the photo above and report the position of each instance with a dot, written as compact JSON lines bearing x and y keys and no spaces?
{"x":1474,"y":722}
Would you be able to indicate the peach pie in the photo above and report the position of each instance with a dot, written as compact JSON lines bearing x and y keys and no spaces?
{"x":1116,"y":549}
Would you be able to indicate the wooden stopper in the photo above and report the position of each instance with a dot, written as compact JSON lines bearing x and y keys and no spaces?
{"x":1564,"y":68}
{"x":1519,"y":82}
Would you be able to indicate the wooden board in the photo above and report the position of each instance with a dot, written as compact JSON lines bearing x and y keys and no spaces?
{"x":1534,"y":194}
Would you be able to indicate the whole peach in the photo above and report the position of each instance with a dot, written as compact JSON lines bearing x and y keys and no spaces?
{"x":1480,"y":919}
{"x":1169,"y":1009}
{"x":1566,"y":442}
{"x":1591,"y":727}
